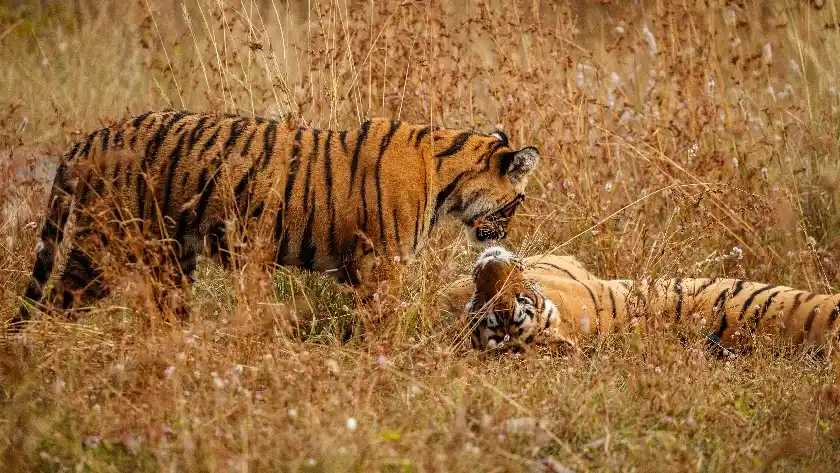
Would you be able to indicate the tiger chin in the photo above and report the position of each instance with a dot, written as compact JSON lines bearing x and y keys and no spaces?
{"x":334,"y":201}
{"x":515,"y":302}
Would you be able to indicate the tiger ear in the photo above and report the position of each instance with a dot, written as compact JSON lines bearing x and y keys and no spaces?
{"x":500,"y":135}
{"x":496,"y":254}
{"x":518,"y":165}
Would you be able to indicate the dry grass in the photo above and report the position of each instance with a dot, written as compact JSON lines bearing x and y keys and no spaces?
{"x":671,"y":133}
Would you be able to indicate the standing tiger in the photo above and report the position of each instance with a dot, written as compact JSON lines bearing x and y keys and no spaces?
{"x":517,"y":301}
{"x":330,"y":200}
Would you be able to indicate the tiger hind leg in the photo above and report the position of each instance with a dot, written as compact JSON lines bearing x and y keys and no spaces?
{"x":81,"y":283}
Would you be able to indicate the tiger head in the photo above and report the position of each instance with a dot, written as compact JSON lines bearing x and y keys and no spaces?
{"x":508,"y":309}
{"x":486,"y":181}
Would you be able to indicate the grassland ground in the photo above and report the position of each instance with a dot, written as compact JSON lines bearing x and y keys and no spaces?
{"x":678,"y":138}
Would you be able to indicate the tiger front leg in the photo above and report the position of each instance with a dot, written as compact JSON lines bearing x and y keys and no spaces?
{"x":169,"y":283}
{"x":373,"y":276}
{"x":364,"y":268}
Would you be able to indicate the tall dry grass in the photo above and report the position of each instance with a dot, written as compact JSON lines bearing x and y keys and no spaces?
{"x":671,"y":133}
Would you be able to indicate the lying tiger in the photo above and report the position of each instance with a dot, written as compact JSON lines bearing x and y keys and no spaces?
{"x":514,"y":302}
{"x":329,"y":201}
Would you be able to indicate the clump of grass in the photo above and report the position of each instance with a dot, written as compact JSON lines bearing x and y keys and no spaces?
{"x":323,"y":306}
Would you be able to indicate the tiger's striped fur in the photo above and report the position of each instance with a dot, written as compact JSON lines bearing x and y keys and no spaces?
{"x":522,"y":300}
{"x":330,"y":199}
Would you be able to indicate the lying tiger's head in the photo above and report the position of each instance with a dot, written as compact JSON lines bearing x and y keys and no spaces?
{"x":485,"y":179}
{"x":508,"y":309}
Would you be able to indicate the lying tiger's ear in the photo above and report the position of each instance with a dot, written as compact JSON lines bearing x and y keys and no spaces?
{"x":497,"y":254}
{"x":518,"y":165}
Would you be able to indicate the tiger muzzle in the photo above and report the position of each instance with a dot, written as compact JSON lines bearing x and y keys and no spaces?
{"x":493,"y":226}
